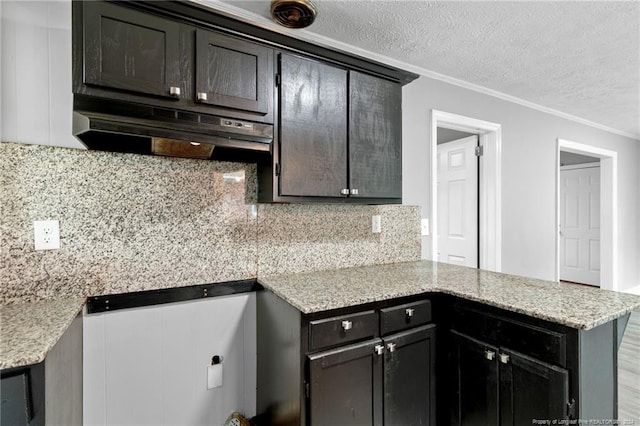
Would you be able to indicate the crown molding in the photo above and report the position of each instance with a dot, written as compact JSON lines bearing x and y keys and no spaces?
{"x":230,"y":10}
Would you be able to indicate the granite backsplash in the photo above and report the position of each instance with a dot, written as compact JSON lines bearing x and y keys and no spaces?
{"x":133,"y":222}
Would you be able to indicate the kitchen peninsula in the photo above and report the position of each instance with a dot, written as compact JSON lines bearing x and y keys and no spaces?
{"x":525,"y":348}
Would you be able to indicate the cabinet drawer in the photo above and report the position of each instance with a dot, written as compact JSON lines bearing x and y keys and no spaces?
{"x":406,"y":316}
{"x":343,"y":329}
{"x":544,"y":344}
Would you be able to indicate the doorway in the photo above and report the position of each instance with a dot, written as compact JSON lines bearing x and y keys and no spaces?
{"x":489,"y":180}
{"x":603,"y":252}
{"x":458,"y":194}
{"x":579,"y":225}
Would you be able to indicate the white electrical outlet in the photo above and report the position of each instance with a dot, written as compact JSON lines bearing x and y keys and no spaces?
{"x":46,"y":234}
{"x":376,"y":224}
{"x":424,"y":227}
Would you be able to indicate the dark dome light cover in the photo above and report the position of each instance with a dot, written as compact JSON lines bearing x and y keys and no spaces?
{"x":293,"y":13}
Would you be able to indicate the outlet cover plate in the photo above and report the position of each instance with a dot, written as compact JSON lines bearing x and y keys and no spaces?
{"x":46,"y":234}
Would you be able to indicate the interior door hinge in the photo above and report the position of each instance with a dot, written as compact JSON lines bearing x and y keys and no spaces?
{"x":278,"y":80}
{"x":479,"y":151}
{"x":306,"y":389}
{"x":571,"y":409}
{"x":277,"y":169}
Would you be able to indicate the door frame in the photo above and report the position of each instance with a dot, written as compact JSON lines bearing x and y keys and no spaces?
{"x":490,"y":199}
{"x":608,"y":208}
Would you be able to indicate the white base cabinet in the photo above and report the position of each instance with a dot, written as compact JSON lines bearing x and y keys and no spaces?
{"x":148,"y":366}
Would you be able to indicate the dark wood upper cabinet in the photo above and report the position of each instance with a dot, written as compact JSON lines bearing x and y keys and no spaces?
{"x":339,"y":136}
{"x":130,"y":50}
{"x":337,"y":119}
{"x":233,"y":73}
{"x":375,"y":137}
{"x":130,"y":55}
{"x":313,"y":128}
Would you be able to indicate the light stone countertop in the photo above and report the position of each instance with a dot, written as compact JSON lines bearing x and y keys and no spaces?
{"x":573,"y":305}
{"x":28,"y":331}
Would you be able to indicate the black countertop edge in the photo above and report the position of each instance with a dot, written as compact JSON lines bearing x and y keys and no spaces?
{"x":136,"y":299}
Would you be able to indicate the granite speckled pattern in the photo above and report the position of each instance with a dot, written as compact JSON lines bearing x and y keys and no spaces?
{"x":137,"y":222}
{"x":572,"y":305}
{"x":29,"y":330}
{"x":127,"y":222}
{"x":310,"y":237}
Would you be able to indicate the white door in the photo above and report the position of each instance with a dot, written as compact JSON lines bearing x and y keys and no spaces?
{"x":458,"y":202}
{"x":580,"y":225}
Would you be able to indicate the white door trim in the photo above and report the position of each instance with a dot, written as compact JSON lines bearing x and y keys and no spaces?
{"x":580,"y":166}
{"x":608,"y":209}
{"x":490,"y":184}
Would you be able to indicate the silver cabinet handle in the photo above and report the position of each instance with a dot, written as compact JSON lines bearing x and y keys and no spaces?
{"x":354,"y":191}
{"x":202,"y":96}
{"x":378,"y":350}
{"x":490,"y":355}
{"x":409,"y":312}
{"x":344,"y":191}
{"x":174,"y":91}
{"x":391,"y":347}
{"x":347,"y":325}
{"x":504,"y":358}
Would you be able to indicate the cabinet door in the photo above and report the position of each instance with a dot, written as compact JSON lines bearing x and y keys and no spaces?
{"x":313,"y":128}
{"x":531,"y":389}
{"x":346,"y":386}
{"x":475,"y":382}
{"x":409,"y":377}
{"x":129,"y":50}
{"x":233,"y":73}
{"x":375,"y":137}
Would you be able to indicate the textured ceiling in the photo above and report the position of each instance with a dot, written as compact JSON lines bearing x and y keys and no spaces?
{"x":577,"y":57}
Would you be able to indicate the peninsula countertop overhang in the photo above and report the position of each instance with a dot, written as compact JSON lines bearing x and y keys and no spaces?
{"x":577,"y":306}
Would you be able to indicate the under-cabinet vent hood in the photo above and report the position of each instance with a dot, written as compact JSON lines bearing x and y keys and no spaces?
{"x":110,"y":125}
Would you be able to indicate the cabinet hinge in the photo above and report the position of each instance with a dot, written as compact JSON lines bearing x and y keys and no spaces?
{"x":307,"y":392}
{"x":278,"y":80}
{"x":571,"y":409}
{"x":277,"y":169}
{"x":479,"y":151}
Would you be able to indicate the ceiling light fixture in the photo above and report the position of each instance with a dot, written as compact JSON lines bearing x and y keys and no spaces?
{"x":293,"y":13}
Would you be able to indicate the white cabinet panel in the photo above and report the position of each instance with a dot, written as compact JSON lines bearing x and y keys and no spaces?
{"x":133,"y":367}
{"x":149,"y":365}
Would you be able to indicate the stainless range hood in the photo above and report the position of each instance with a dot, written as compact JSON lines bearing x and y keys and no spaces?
{"x":110,"y":125}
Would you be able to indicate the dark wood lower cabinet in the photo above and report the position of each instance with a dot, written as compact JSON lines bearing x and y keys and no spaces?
{"x":375,"y":364}
{"x":369,"y":365}
{"x":498,"y":386}
{"x":475,"y":382}
{"x":346,"y":386}
{"x":389,"y":381}
{"x":409,"y":377}
{"x":531,"y":389}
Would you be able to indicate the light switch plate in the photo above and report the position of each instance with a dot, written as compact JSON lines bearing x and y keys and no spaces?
{"x":376,"y":224}
{"x":424,"y":227}
{"x":46,"y":234}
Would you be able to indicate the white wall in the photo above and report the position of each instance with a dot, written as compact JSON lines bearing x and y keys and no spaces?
{"x":148,"y":366}
{"x":529,"y":140}
{"x":35,"y":74}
